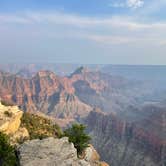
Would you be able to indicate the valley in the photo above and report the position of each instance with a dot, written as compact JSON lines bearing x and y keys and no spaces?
{"x":125,"y":117}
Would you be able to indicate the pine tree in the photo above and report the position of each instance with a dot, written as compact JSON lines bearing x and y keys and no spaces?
{"x":78,"y":137}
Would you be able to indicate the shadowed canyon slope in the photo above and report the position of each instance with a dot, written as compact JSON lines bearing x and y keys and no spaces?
{"x":137,"y":138}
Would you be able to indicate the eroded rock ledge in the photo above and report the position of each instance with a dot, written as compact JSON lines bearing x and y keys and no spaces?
{"x":55,"y":152}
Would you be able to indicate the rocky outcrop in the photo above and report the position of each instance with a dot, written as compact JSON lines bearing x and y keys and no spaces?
{"x":54,"y":152}
{"x":10,"y":121}
{"x":50,"y":151}
{"x":92,"y":156}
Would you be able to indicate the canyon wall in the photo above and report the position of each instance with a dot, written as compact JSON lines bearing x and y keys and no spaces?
{"x":122,"y":142}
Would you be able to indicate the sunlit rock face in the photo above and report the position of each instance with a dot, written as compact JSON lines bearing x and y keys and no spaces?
{"x":45,"y":92}
{"x":10,"y":121}
{"x":66,"y":97}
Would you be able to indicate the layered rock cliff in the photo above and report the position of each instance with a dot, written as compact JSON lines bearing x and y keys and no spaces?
{"x":45,"y":92}
{"x":137,"y":141}
{"x":68,"y":97}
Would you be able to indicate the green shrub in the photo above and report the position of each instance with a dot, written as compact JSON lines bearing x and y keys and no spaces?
{"x":7,"y":152}
{"x":78,"y":137}
{"x":40,"y":127}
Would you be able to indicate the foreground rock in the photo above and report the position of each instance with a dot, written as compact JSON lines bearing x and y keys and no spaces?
{"x":53,"y":152}
{"x":10,"y":121}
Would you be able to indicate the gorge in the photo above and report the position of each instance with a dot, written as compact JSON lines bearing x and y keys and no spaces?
{"x":126,"y":124}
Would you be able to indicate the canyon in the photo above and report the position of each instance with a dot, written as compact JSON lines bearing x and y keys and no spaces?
{"x":126,"y":124}
{"x":77,"y":94}
{"x":124,"y":140}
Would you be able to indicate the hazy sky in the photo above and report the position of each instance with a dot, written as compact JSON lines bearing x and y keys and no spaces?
{"x":83,"y":31}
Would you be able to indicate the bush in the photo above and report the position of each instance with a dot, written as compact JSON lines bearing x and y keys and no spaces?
{"x":8,"y":114}
{"x":78,"y":137}
{"x":6,"y":103}
{"x":7,"y":152}
{"x":40,"y":127}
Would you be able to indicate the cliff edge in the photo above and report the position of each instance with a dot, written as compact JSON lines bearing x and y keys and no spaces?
{"x":54,"y":152}
{"x":10,"y":123}
{"x":50,"y":151}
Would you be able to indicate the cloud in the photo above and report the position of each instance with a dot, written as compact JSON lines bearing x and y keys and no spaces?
{"x":153,"y":7}
{"x":113,"y":40}
{"x":56,"y":18}
{"x":117,"y":5}
{"x":13,"y":19}
{"x":135,"y":3}
{"x":108,"y":30}
{"x":58,"y":33}
{"x":162,"y":43}
{"x":132,"y":4}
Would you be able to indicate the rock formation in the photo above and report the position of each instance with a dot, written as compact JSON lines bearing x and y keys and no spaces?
{"x":70,"y":97}
{"x":45,"y":92}
{"x":50,"y":151}
{"x":10,"y":120}
{"x":136,"y":138}
{"x":66,"y":97}
{"x":54,"y":152}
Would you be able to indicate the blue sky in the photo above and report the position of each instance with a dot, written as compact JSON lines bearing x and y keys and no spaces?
{"x":83,"y":31}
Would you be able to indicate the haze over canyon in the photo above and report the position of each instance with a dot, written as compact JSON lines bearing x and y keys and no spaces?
{"x":125,"y":115}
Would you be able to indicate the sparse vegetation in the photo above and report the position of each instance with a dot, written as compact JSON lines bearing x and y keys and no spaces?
{"x":7,"y":152}
{"x":40,"y":127}
{"x":6,"y":103}
{"x":78,"y":137}
{"x":8,"y":114}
